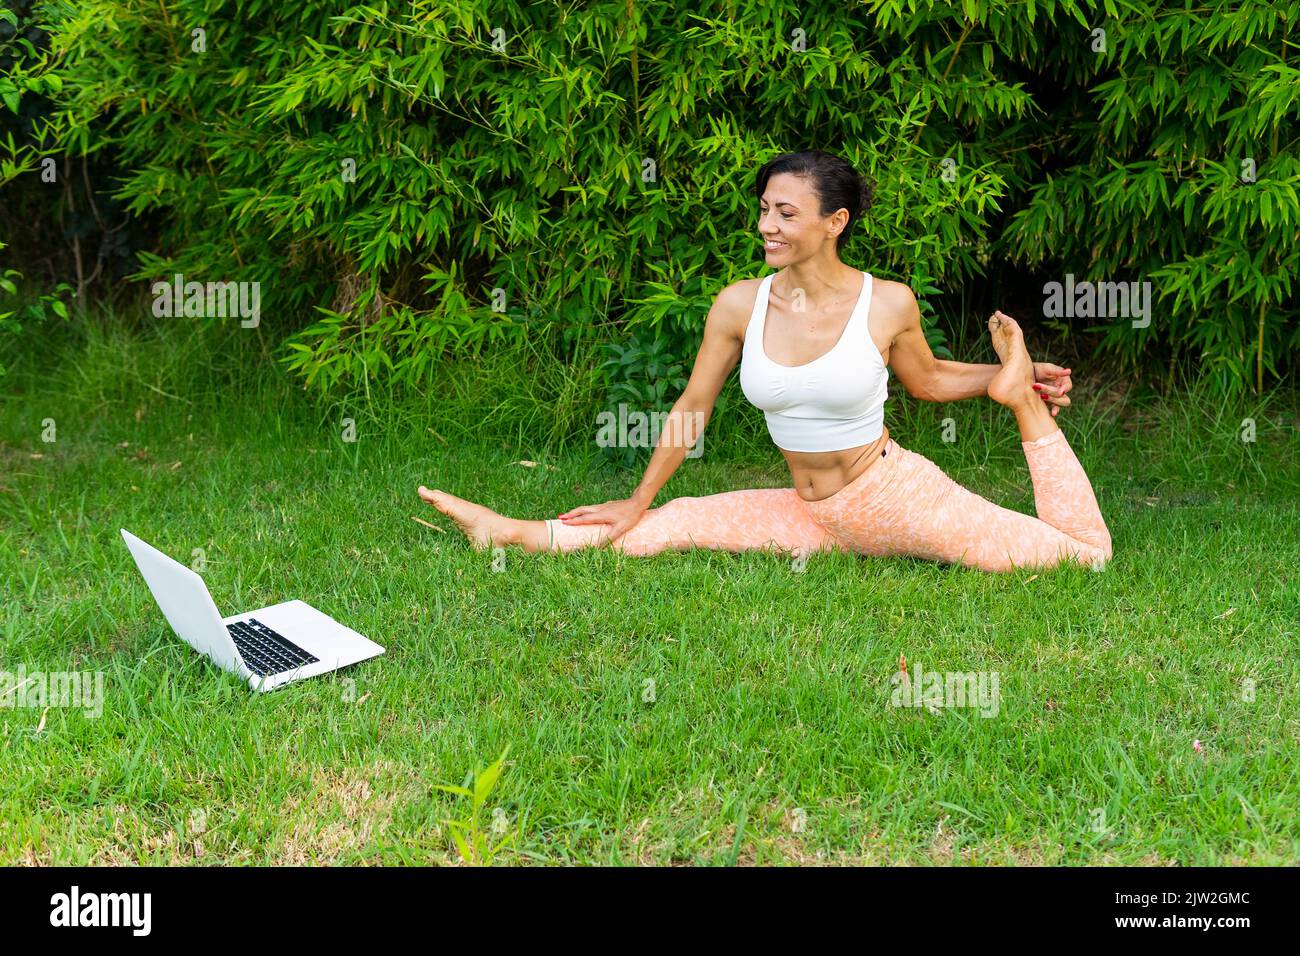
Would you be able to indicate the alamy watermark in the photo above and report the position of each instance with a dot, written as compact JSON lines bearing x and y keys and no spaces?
{"x":936,"y":690}
{"x":133,"y":911}
{"x":40,"y":689}
{"x":211,"y":300}
{"x":1098,"y":300}
{"x":637,"y":429}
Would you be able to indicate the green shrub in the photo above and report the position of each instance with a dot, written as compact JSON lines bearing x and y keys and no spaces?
{"x":23,"y":309}
{"x":644,"y":375}
{"x":408,"y":178}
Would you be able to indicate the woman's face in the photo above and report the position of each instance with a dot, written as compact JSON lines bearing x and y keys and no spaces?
{"x":790,"y":222}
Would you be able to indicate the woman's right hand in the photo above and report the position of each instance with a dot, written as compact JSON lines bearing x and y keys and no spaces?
{"x":622,"y":516}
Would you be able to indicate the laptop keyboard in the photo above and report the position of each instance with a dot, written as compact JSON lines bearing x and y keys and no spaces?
{"x":266,"y":652}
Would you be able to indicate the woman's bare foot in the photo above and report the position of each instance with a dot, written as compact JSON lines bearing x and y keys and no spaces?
{"x":1013,"y":385}
{"x":483,"y":526}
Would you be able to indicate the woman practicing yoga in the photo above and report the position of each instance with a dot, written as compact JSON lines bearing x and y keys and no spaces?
{"x":814,"y":340}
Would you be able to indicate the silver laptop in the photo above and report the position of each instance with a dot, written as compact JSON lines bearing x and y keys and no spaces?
{"x":269,"y":648}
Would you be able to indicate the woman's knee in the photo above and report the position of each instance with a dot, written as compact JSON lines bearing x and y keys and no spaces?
{"x":1102,"y":554}
{"x":1096,"y":549}
{"x":1094,"y":557}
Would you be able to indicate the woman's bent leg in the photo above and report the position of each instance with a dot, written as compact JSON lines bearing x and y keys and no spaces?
{"x":1063,"y":496}
{"x":979,"y":533}
{"x":906,"y":505}
{"x":769,"y":519}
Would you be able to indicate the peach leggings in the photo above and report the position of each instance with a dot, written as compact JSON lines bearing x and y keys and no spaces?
{"x":902,"y":505}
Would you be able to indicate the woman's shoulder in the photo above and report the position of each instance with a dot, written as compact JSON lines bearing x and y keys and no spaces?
{"x":741,"y":292}
{"x":893,"y":304}
{"x":735,"y":303}
{"x":892,"y":296}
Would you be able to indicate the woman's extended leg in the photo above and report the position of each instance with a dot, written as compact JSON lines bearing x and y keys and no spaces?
{"x":774,"y":519}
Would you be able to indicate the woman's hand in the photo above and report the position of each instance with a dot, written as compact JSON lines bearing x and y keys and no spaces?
{"x":621,"y":516}
{"x":1052,"y":382}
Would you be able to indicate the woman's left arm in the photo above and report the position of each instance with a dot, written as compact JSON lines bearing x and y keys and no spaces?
{"x":938,"y":380}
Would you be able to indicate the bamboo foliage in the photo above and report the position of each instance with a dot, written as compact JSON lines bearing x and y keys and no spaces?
{"x":408,"y":178}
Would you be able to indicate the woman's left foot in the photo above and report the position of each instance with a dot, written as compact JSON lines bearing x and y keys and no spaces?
{"x":483,"y":526}
{"x":1013,"y":385}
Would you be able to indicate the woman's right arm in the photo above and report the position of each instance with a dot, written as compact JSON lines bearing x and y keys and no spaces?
{"x":719,"y":352}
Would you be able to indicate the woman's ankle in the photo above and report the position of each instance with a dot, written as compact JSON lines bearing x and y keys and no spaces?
{"x":1035,"y":422}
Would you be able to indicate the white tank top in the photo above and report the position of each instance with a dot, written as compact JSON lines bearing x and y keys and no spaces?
{"x":834,"y":402}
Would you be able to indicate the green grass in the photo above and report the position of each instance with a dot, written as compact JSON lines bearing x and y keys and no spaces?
{"x":771,"y":688}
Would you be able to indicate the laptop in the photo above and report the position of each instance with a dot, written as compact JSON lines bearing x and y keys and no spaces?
{"x":269,"y":648}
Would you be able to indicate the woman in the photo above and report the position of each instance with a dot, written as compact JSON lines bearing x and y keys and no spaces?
{"x":814,"y":341}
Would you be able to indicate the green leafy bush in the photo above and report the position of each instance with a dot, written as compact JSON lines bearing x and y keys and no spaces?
{"x":409,"y":178}
{"x":645,"y":375}
{"x":25,"y":310}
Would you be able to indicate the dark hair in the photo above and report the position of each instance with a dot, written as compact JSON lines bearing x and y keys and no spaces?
{"x":837,"y":184}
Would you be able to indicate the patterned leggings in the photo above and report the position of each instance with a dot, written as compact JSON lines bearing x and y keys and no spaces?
{"x":902,"y":505}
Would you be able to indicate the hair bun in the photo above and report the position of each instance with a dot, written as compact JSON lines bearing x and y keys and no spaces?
{"x":866,"y":194}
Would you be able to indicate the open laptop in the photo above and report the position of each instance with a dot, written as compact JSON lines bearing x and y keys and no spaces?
{"x":269,"y":648}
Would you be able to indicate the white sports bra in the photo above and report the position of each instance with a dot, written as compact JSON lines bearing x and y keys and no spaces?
{"x":834,"y":402}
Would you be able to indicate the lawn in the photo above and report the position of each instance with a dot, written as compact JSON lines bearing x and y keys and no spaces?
{"x":696,"y":707}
